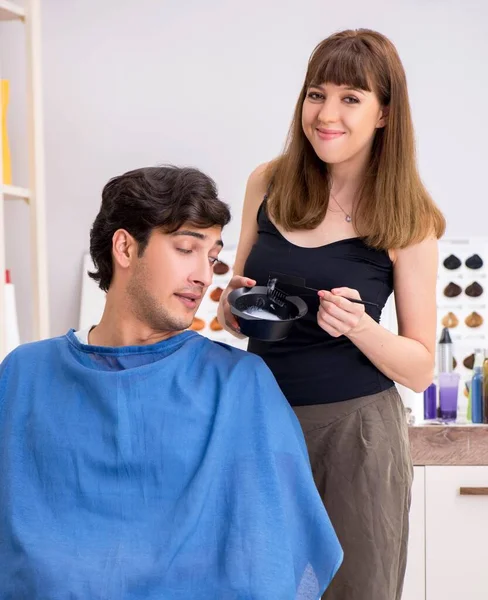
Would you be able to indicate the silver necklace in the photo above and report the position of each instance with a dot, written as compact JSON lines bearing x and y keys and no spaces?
{"x":348,"y":217}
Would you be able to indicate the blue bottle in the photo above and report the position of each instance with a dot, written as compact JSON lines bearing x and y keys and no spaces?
{"x":477,"y":388}
{"x":430,"y":402}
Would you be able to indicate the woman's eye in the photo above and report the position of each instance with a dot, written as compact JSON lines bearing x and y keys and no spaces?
{"x":351,"y":100}
{"x":213,"y":260}
{"x":184,"y":251}
{"x":315,"y":96}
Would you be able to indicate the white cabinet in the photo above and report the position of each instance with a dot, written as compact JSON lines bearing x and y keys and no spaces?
{"x":414,"y":588}
{"x":456,"y":532}
{"x":448,"y":534}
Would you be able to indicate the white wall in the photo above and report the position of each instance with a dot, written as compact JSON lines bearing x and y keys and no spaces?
{"x":130,"y":83}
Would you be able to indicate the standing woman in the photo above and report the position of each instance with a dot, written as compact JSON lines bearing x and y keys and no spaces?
{"x":344,"y":208}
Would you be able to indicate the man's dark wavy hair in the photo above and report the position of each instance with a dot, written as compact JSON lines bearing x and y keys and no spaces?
{"x":142,"y":200}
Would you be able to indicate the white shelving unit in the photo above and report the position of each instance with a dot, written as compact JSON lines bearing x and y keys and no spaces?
{"x":10,"y":11}
{"x":29,"y":17}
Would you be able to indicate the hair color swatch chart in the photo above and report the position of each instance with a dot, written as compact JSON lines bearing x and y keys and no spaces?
{"x":462,"y":298}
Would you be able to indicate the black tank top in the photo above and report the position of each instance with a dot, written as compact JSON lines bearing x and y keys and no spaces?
{"x":311,"y":366}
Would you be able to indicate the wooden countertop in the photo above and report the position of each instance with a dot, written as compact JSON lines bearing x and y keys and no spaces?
{"x":449,"y":445}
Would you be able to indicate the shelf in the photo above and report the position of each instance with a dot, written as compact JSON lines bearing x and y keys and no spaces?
{"x":26,"y":19}
{"x":10,"y":11}
{"x":12,"y":192}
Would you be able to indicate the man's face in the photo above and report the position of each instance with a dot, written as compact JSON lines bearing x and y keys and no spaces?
{"x":169,"y":280}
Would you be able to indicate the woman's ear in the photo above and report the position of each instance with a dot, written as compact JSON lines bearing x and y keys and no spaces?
{"x":385,"y":111}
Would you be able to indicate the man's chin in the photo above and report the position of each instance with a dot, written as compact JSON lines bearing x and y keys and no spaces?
{"x":190,"y":323}
{"x":187,"y":320}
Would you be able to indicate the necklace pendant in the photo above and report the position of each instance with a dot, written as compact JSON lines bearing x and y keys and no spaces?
{"x":348,"y":218}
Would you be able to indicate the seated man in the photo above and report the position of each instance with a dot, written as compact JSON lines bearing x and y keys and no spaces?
{"x":140,"y":460}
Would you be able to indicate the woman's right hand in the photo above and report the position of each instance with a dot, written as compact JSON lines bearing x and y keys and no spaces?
{"x":224,"y":314}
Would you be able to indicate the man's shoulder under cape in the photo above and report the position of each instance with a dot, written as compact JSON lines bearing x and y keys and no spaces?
{"x":177,"y":471}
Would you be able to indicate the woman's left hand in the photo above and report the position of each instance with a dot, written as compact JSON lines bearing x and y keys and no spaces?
{"x":337,"y":315}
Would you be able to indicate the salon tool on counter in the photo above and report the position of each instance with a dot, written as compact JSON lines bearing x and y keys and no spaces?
{"x":448,"y":395}
{"x":445,"y":362}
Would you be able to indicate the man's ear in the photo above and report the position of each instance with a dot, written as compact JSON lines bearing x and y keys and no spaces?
{"x":385,"y":111}
{"x":124,"y":248}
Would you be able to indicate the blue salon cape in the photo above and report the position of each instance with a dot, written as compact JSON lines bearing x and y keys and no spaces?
{"x":174,"y":471}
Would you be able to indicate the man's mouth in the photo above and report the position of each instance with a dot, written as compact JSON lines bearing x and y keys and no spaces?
{"x":188,"y":299}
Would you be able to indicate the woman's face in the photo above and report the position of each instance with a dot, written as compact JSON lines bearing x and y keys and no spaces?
{"x":341,"y":122}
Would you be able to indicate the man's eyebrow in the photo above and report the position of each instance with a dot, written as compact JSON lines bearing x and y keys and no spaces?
{"x":195,"y":234}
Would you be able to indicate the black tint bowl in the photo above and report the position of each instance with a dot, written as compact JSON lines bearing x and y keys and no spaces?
{"x":262,"y":329}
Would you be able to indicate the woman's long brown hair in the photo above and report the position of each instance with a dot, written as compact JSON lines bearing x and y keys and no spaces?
{"x":394,"y":210}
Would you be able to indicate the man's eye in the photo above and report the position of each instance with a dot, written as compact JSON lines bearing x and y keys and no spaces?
{"x":184,"y":251}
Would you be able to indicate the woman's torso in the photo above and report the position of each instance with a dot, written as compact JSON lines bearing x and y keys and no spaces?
{"x":311,"y":366}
